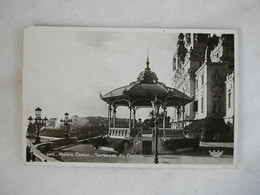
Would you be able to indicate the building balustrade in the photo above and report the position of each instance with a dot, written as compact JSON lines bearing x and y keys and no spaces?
{"x":148,"y":131}
{"x":167,"y":132}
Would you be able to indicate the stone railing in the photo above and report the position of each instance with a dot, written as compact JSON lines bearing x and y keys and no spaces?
{"x":38,"y":156}
{"x":148,"y":131}
{"x":162,"y":132}
{"x":38,"y":150}
{"x":167,"y":132}
{"x":119,"y":132}
{"x":136,"y":131}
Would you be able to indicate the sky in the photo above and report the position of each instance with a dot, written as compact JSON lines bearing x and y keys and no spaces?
{"x":64,"y":69}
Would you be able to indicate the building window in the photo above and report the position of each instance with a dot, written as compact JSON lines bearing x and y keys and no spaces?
{"x":216,"y":76}
{"x":229,"y":99}
{"x":196,"y":106}
{"x":202,"y":104}
{"x":202,"y":79}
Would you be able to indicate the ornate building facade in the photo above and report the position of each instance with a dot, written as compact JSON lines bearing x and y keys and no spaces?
{"x":201,"y":68}
{"x":189,"y":56}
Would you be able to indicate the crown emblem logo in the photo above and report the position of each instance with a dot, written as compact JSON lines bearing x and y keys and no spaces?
{"x":216,"y":154}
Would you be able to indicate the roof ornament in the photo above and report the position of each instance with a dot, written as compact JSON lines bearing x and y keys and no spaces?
{"x":155,"y":103}
{"x":147,"y":61}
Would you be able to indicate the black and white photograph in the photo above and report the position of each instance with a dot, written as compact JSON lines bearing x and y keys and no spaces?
{"x":129,"y":97}
{"x":134,"y":97}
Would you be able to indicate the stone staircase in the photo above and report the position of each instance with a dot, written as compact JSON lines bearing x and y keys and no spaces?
{"x":129,"y":150}
{"x":165,"y":150}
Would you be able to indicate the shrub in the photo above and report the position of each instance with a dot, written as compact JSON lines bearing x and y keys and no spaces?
{"x":209,"y":129}
{"x":118,"y":144}
{"x":96,"y":142}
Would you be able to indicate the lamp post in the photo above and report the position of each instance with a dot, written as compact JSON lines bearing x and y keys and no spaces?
{"x":39,"y":123}
{"x":102,"y":124}
{"x":30,"y":119}
{"x":156,"y":106}
{"x":67,"y":123}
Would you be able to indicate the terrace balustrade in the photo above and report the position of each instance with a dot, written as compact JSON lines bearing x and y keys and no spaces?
{"x":127,"y":133}
{"x":119,"y":132}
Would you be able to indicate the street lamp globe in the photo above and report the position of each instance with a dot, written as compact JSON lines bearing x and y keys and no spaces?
{"x":66,"y":115}
{"x":45,"y":120}
{"x":38,"y":112}
{"x":30,"y":119}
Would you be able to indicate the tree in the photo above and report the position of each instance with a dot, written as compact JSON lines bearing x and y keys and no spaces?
{"x":161,"y":115}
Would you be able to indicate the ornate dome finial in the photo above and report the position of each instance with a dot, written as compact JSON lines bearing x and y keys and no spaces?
{"x":147,"y":61}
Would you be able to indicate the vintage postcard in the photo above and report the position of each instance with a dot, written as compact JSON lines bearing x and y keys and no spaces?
{"x":130,"y":97}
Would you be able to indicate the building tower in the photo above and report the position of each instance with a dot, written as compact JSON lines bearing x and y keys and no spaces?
{"x":210,"y":89}
{"x":189,"y":56}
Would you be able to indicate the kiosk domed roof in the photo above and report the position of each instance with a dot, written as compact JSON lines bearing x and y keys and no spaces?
{"x":147,"y":76}
{"x":144,"y":89}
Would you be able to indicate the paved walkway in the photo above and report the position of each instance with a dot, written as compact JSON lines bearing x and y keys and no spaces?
{"x":86,"y":153}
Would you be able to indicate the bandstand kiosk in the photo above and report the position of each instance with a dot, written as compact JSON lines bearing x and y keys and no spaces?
{"x":147,"y":91}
